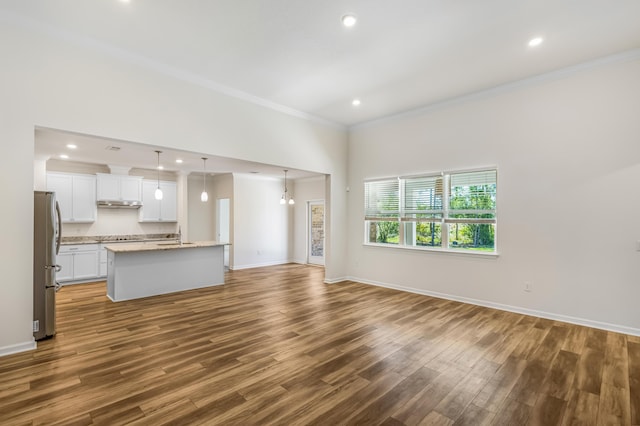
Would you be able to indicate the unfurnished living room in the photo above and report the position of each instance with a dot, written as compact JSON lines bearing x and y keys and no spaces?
{"x":277,"y":212}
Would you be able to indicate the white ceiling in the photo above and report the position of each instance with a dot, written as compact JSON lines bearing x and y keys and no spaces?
{"x":51,"y":143}
{"x":401,"y":54}
{"x":295,"y":55}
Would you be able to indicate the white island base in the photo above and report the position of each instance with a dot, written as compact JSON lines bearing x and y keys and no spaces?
{"x":137,"y":271}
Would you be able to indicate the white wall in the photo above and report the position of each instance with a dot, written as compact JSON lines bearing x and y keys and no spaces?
{"x":223,"y":188}
{"x":201,"y":216}
{"x":568,"y":158}
{"x":50,"y":80}
{"x":310,"y":189}
{"x":117,"y":222}
{"x":262,"y":228}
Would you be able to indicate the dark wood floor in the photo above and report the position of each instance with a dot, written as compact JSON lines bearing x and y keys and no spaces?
{"x":277,"y":346}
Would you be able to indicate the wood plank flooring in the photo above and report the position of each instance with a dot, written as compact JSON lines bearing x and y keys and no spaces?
{"x":277,"y":346}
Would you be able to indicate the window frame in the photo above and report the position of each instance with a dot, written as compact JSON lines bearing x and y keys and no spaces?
{"x":404,"y":220}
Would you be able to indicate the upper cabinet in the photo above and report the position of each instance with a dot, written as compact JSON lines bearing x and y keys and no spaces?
{"x":165,"y":210}
{"x":76,"y":195}
{"x":119,"y":187}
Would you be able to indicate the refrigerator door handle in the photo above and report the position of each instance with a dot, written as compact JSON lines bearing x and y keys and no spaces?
{"x":59,"y":220}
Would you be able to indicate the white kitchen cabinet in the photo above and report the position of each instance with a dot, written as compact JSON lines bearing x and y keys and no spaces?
{"x":165,"y":210}
{"x":102,"y":259}
{"x":79,"y":262}
{"x":65,"y":260}
{"x":76,"y":195}
{"x":118,"y":187}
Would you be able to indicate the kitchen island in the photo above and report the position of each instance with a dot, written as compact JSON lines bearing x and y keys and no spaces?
{"x":142,"y":270}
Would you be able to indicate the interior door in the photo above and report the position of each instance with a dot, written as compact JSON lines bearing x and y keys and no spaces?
{"x":315,"y":224}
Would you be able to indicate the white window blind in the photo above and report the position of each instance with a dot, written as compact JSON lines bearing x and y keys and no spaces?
{"x":382,"y":199}
{"x":423,"y":199}
{"x":451,"y":211}
{"x":472,"y":197}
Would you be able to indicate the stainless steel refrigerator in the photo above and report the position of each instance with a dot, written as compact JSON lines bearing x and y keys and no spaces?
{"x":47,"y":228}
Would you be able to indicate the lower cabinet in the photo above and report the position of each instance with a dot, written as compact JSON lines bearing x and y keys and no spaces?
{"x":79,"y":262}
{"x":102,"y":256}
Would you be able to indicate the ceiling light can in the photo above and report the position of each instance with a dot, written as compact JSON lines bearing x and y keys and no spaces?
{"x":349,"y":20}
{"x":536,"y":41}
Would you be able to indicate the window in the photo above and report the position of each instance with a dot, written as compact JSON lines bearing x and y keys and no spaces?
{"x":381,"y":210}
{"x":451,"y":211}
{"x":423,"y":211}
{"x":472,"y":210}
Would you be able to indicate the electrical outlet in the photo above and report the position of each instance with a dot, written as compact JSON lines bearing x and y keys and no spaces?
{"x":528,"y":286}
{"x":258,"y":252}
{"x":36,"y":326}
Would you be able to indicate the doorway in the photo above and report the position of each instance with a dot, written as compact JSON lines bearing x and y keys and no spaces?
{"x":223,"y":225}
{"x":315,"y":232}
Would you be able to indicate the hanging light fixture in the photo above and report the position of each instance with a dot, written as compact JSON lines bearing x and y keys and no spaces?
{"x":285,"y":196}
{"x":204,"y":196}
{"x":158,"y":193}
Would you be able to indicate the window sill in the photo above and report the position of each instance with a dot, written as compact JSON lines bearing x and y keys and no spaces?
{"x":436,"y":250}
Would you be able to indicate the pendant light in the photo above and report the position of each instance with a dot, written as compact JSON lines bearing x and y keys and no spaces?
{"x":204,"y":197}
{"x":285,"y":196}
{"x":158,"y":193}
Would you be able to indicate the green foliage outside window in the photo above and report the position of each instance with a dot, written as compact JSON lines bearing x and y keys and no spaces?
{"x":479,"y":236}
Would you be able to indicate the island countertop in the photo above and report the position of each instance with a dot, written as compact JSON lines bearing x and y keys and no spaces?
{"x":173,"y":245}
{"x":143,"y":270}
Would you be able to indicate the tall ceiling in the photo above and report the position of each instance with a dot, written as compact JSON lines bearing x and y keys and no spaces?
{"x":297,"y":55}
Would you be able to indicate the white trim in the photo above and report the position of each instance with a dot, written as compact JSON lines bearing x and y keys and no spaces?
{"x":509,"y":308}
{"x":259,"y":265}
{"x":487,"y":254}
{"x":18,"y":347}
{"x":157,"y":66}
{"x":627,"y":56}
{"x":337,"y":280}
{"x":381,"y":179}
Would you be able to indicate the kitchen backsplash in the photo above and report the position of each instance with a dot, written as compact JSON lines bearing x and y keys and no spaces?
{"x":117,"y":222}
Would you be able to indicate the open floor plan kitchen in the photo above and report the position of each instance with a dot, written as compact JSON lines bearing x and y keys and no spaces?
{"x":324,"y":212}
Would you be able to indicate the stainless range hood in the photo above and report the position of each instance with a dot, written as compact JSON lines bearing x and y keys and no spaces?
{"x":119,"y":204}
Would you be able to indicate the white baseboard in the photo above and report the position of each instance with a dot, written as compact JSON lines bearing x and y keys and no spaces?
{"x":338,"y":280}
{"x":18,"y":347}
{"x":259,"y":265}
{"x":509,"y":308}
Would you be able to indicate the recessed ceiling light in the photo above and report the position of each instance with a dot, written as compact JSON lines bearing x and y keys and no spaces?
{"x":71,"y":146}
{"x":64,"y":156}
{"x":356,"y":102}
{"x":179,"y":160}
{"x":537,"y":41}
{"x":349,"y":20}
{"x":160,"y":167}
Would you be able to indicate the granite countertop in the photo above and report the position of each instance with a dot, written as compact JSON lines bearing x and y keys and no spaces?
{"x":133,"y":238}
{"x":85,"y":241}
{"x":127,"y":248}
